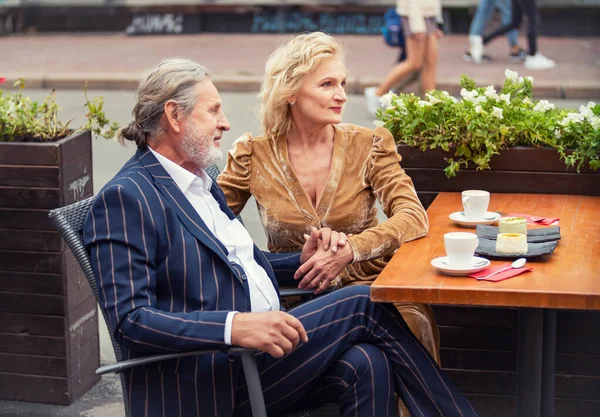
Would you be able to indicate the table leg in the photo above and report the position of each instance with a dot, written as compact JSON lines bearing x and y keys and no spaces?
{"x":548,"y":363}
{"x":529,"y":362}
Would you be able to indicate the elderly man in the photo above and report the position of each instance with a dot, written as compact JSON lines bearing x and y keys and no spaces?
{"x":178,"y":272}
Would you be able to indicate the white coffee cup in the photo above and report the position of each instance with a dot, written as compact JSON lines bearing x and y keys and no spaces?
{"x":475,"y":204}
{"x":460,"y":248}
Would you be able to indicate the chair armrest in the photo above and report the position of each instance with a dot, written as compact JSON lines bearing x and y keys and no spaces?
{"x":131,"y":363}
{"x":287,"y":292}
{"x":305,"y":294}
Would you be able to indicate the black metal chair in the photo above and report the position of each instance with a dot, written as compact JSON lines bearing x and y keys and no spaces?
{"x":69,"y":222}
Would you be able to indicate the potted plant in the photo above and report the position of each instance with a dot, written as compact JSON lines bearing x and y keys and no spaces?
{"x":502,"y":141}
{"x":48,"y":321}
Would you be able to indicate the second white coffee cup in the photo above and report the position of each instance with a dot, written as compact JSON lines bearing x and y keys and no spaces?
{"x":475,"y":203}
{"x":460,"y":248}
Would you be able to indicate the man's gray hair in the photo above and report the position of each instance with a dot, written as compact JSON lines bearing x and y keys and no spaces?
{"x":173,"y":79}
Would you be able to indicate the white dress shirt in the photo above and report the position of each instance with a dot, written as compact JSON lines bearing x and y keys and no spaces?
{"x":231,"y":233}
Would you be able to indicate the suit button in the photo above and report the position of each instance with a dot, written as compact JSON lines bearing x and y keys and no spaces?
{"x":244,"y":277}
{"x":231,"y":357}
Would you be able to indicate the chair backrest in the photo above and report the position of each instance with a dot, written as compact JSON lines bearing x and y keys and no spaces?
{"x":69,"y":221}
{"x":213,"y":172}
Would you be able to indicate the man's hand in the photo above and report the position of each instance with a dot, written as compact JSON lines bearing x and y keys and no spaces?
{"x":330,"y":239}
{"x":318,"y":272}
{"x":273,"y":332}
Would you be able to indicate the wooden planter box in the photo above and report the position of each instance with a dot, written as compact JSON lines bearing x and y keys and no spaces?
{"x":518,"y":169}
{"x":479,"y":345}
{"x":49,"y":346}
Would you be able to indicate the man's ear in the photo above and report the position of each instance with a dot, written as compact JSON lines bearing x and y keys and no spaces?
{"x":171,"y":112}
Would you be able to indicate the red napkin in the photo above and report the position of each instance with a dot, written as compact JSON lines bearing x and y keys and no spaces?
{"x":546,"y":221}
{"x":501,"y":276}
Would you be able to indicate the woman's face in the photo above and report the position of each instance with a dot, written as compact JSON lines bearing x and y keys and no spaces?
{"x":322,"y":96}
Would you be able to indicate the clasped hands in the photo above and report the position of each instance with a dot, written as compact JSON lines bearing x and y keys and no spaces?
{"x":324,"y":255}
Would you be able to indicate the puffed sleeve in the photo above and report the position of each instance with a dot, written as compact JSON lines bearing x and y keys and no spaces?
{"x":236,"y":178}
{"x":407,"y":219}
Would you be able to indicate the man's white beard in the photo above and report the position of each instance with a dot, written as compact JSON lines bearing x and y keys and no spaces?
{"x":200,"y":148}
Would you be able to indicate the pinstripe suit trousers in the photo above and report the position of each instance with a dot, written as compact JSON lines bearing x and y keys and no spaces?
{"x":347,"y":331}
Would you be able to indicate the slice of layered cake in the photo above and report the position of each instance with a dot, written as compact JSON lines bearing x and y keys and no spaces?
{"x":511,"y":243}
{"x":513,"y":225}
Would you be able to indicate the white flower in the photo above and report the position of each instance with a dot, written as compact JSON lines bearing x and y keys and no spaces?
{"x":432,"y":99}
{"x":529,"y":78}
{"x":586,"y":111}
{"x":595,"y":122}
{"x":479,"y":99}
{"x":386,"y":100}
{"x":505,"y":98}
{"x":446,"y":94}
{"x":526,"y":100}
{"x":543,"y":106}
{"x":557,"y":133}
{"x":468,"y":95}
{"x":478,"y":109}
{"x":423,"y":103}
{"x":453,"y":99}
{"x":12,"y":108}
{"x":511,"y":75}
{"x":497,"y":112}
{"x":490,"y":92}
{"x":520,"y":80}
{"x":572,"y":118}
{"x":378,"y":123}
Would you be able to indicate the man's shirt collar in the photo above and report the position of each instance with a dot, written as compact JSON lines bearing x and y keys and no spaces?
{"x":182,"y":177}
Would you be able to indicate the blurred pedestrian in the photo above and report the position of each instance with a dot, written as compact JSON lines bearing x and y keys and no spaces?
{"x":534,"y":59}
{"x":421,"y":20}
{"x":482,"y":16}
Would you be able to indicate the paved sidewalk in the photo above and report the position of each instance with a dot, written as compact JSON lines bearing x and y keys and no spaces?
{"x":116,"y":61}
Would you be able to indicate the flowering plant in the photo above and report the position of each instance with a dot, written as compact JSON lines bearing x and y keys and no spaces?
{"x":24,"y":120}
{"x":487,"y":121}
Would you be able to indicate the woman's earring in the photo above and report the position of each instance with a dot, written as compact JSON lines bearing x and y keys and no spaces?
{"x":292,"y":103}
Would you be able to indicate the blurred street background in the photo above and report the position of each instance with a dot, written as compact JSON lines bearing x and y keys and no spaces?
{"x":108,"y":44}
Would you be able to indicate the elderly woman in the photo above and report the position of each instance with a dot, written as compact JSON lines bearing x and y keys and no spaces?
{"x":309,"y":170}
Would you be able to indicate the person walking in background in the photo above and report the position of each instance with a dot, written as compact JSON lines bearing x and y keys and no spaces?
{"x":480,"y":20}
{"x":534,"y":59}
{"x":420,"y":20}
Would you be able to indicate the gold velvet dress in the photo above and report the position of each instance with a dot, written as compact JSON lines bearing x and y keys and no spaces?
{"x":365,"y":168}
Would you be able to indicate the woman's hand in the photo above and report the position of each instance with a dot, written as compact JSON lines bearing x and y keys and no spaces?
{"x":331,"y":240}
{"x":325,"y":265}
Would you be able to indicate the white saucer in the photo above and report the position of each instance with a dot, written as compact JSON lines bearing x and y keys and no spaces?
{"x":447,"y":269}
{"x":460,"y":218}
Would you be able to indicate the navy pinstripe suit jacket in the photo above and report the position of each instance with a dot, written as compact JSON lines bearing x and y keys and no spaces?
{"x":166,"y":283}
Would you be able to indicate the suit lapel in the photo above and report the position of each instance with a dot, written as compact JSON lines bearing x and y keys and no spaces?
{"x":175,"y":198}
{"x":217,"y":193}
{"x":260,"y":258}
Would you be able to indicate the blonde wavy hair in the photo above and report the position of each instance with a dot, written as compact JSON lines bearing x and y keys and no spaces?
{"x":285,"y":72}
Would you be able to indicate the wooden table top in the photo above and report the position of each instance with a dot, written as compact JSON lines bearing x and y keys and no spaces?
{"x":568,"y":278}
